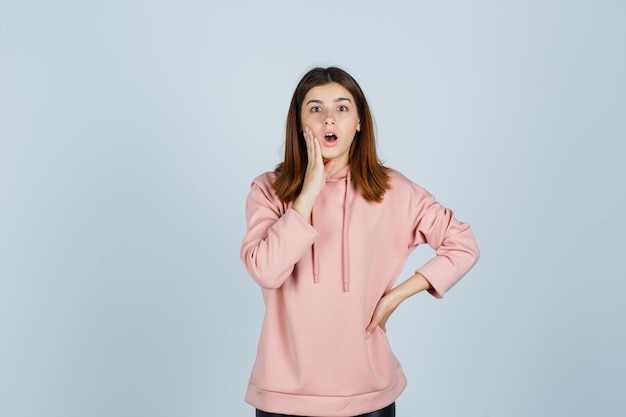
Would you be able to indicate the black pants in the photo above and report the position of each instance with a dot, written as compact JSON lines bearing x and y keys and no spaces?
{"x":389,"y":411}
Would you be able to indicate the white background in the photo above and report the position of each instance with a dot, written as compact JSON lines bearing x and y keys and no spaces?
{"x":129,"y":134}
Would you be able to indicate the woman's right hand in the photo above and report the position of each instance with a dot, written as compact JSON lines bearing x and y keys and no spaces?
{"x":314,"y":177}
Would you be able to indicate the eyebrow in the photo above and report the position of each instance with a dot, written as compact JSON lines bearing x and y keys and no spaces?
{"x":337,"y":100}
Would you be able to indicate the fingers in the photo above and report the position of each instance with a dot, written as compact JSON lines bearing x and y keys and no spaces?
{"x":315,"y":174}
{"x":314,"y":151}
{"x":378,"y":320}
{"x":309,"y":143}
{"x":370,"y":329}
{"x":385,"y":307}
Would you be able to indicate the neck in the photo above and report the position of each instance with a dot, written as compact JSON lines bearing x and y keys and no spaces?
{"x":337,"y":166}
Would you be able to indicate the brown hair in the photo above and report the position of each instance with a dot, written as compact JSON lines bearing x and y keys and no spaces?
{"x":366,"y":170}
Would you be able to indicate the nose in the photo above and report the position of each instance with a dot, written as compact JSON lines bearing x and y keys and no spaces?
{"x":329,"y":119}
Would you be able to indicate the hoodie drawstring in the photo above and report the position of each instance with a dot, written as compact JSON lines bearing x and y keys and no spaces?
{"x":345,"y":271}
{"x":344,"y":235}
{"x":316,"y":268}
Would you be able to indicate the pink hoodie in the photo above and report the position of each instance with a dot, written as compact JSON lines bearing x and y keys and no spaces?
{"x":322,"y":281}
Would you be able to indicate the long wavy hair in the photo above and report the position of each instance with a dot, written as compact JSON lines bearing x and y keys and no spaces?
{"x":366,"y":169}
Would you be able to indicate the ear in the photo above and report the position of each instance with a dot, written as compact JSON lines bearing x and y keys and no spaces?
{"x":358,"y":125}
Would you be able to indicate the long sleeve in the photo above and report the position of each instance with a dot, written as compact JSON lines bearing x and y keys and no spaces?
{"x":277,"y":236}
{"x":453,"y":241}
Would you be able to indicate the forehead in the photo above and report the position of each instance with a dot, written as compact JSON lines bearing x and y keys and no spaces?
{"x":328,"y":92}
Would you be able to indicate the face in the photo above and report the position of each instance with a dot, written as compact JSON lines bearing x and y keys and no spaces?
{"x":330,"y":112}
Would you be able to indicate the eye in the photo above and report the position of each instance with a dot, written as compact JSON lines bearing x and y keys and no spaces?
{"x":342,"y":108}
{"x":315,"y":109}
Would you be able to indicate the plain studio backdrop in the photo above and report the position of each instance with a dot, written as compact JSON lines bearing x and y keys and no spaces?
{"x":130,"y":132}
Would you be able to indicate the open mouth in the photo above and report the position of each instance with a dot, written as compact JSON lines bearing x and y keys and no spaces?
{"x":330,"y":137}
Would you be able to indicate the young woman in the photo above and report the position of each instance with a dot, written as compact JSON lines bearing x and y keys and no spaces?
{"x":329,"y":231}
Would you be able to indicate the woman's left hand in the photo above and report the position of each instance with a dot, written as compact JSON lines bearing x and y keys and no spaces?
{"x":392,"y":299}
{"x":382,"y":312}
